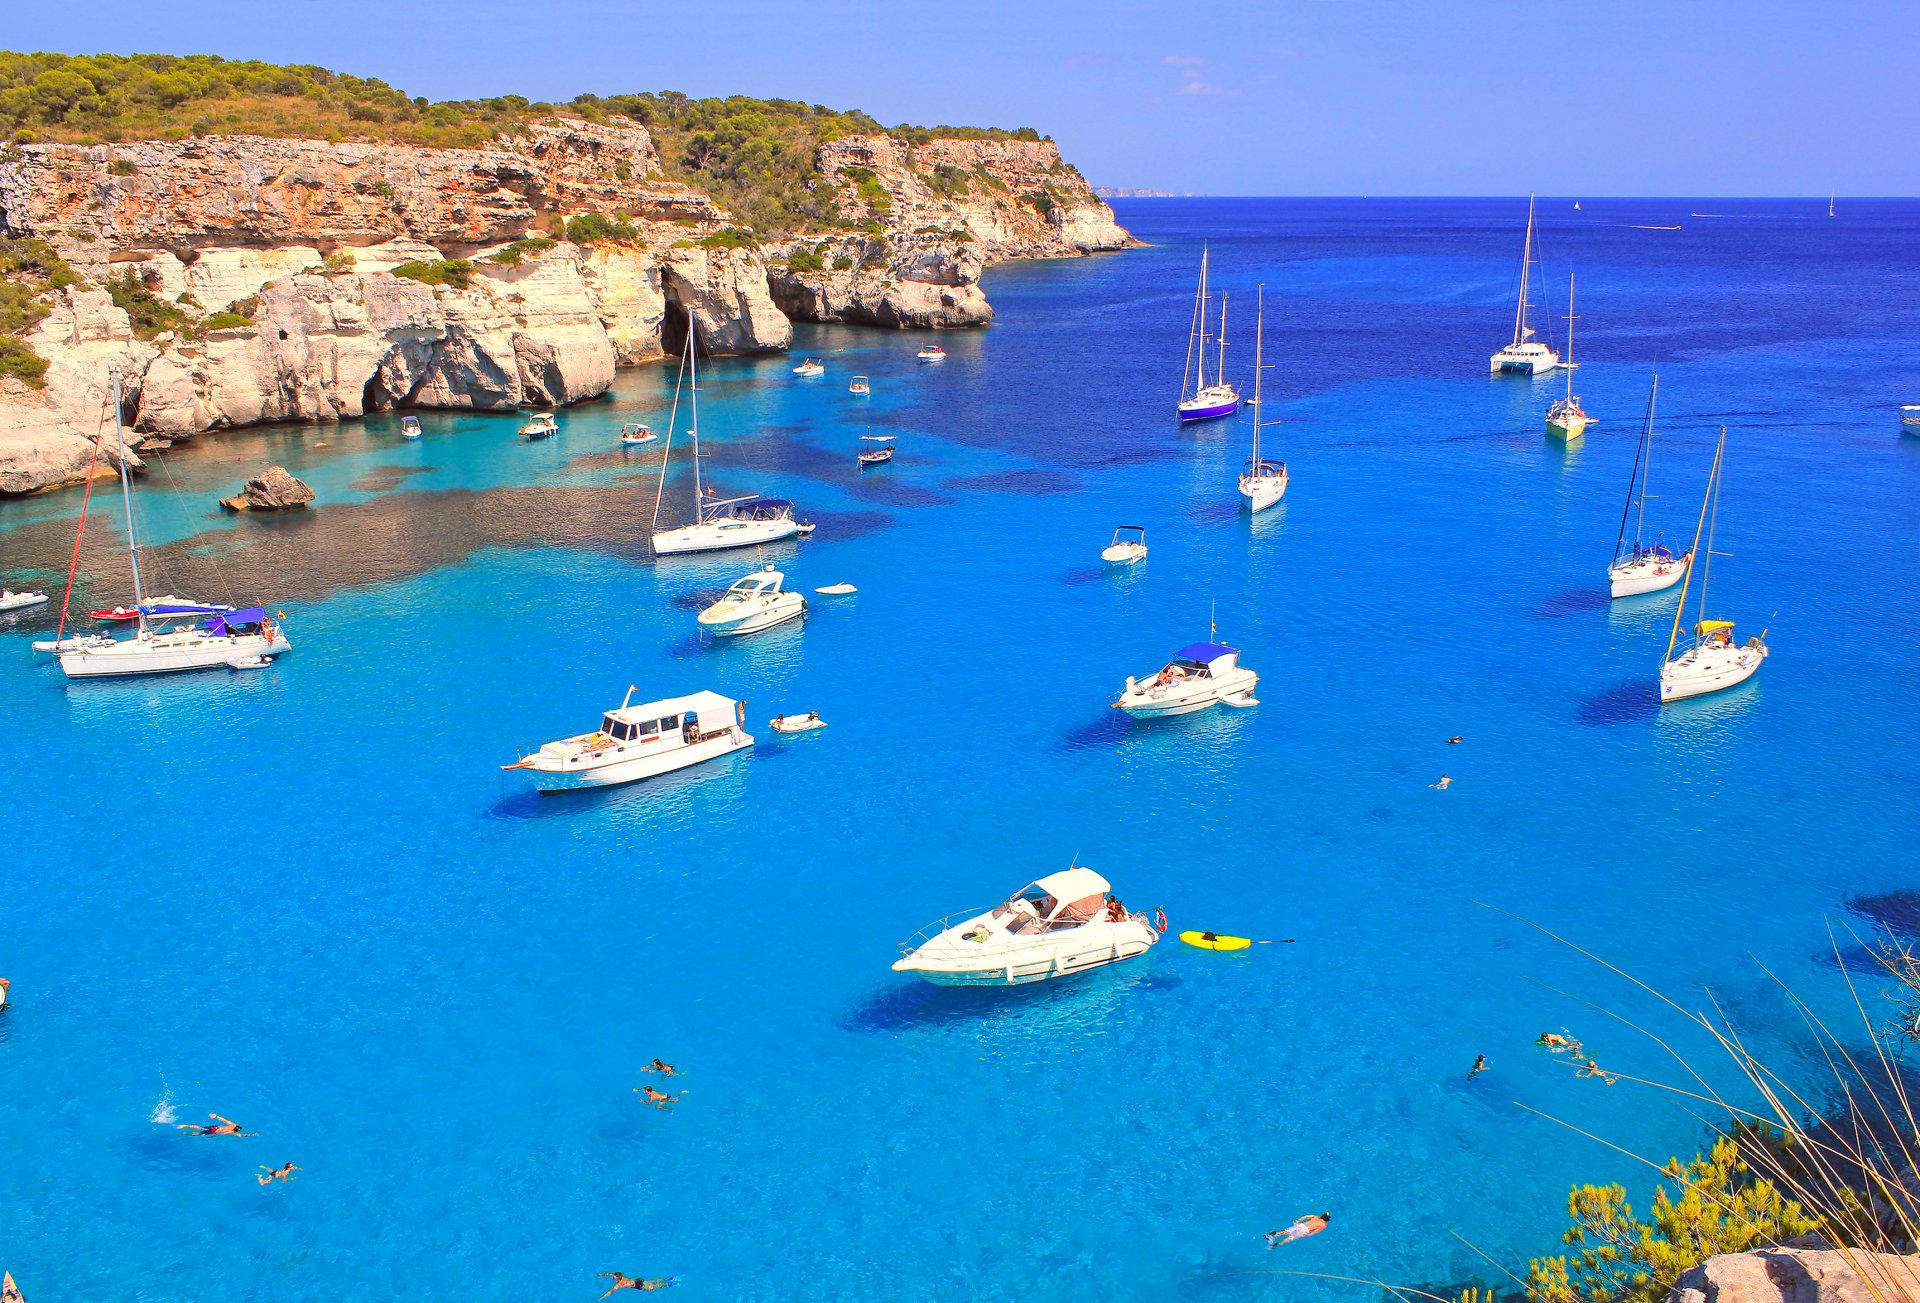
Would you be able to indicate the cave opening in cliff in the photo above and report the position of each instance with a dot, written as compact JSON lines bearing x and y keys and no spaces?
{"x":673,"y":330}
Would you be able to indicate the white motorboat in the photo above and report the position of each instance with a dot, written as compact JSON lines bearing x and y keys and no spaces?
{"x":860,"y":385}
{"x":1129,"y":545}
{"x":837,"y":590}
{"x":811,"y":367}
{"x":409,"y":427}
{"x":1714,"y":661}
{"x":1566,"y":419}
{"x":797,"y":723}
{"x":1200,"y":675}
{"x":540,"y":425}
{"x":751,"y":604}
{"x":12,"y":601}
{"x":1525,"y":355}
{"x":1910,"y":418}
{"x":636,"y":742}
{"x":875,"y":449}
{"x":932,"y":353}
{"x":718,"y":523}
{"x":1638,"y":567}
{"x":634,"y":433}
{"x":1067,"y":922}
{"x":1263,"y":482}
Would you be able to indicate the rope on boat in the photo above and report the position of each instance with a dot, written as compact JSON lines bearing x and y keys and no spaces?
{"x":73,"y":566}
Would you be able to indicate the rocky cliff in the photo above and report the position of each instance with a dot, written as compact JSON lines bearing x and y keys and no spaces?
{"x":262,"y":279}
{"x":1801,"y":1276}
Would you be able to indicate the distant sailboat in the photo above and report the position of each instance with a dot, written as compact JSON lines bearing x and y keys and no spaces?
{"x":1830,"y":197}
{"x":1714,"y":662}
{"x":1262,"y":483}
{"x":1576,"y":205}
{"x":1639,"y":567}
{"x":1525,"y":355}
{"x":1200,"y":401}
{"x":1566,"y":419}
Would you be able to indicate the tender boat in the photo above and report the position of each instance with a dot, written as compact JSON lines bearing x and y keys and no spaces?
{"x":1200,"y":675}
{"x":1067,"y":922}
{"x":811,"y":367}
{"x":932,"y":353}
{"x":636,"y":742}
{"x":1129,"y":545}
{"x":1638,"y":567}
{"x":540,"y":425}
{"x":1566,"y":419}
{"x":1910,"y":418}
{"x":409,"y":427}
{"x":1199,"y":400}
{"x":114,"y":615}
{"x":860,"y":385}
{"x":1263,"y":482}
{"x":837,"y":590}
{"x":751,"y":604}
{"x":1714,"y":661}
{"x":634,"y":433}
{"x":1525,"y":355}
{"x":797,"y":723}
{"x":12,"y":601}
{"x":875,"y":449}
{"x":248,"y":663}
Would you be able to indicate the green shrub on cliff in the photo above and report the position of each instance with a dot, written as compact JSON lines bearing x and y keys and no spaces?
{"x":588,"y":227}
{"x":151,"y":315}
{"x":225,"y":321}
{"x":805,"y":260}
{"x":21,"y":362}
{"x":513,"y":253}
{"x":730,"y":237}
{"x":457,"y":272}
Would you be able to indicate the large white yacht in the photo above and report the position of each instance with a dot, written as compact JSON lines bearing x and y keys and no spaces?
{"x":753,"y":603}
{"x":643,"y":741}
{"x":1067,"y":922}
{"x":1525,"y":355}
{"x":1200,"y":675}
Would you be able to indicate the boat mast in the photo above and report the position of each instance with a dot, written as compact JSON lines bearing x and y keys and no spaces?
{"x":1569,"y":366}
{"x":1646,"y":463}
{"x":126,"y":501}
{"x":1193,"y":331}
{"x":1220,"y":371}
{"x":1713,"y":522}
{"x":1520,"y":331}
{"x":693,"y":409}
{"x":666,"y":454}
{"x":1259,"y":352}
{"x":1680,"y":611}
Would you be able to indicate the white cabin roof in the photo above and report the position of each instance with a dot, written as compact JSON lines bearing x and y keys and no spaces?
{"x":1074,"y":884}
{"x":701,"y":704}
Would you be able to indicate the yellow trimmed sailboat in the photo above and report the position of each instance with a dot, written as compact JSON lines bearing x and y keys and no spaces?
{"x":1714,"y":661}
{"x":1566,"y":419}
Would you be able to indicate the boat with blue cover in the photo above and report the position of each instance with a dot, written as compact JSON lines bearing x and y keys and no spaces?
{"x":1200,"y":675}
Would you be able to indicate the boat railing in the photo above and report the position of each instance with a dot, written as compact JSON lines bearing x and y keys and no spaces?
{"x":935,"y":928}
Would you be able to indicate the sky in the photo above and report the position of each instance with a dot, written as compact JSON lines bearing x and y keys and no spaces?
{"x":1260,"y":97}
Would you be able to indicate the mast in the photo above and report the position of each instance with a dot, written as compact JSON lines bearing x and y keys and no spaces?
{"x":1680,"y":611}
{"x":693,"y":409}
{"x":1220,"y":371}
{"x":666,"y":454}
{"x":1259,"y":353}
{"x":126,"y":501}
{"x":1520,"y":331}
{"x":1569,"y":366}
{"x":1713,"y":522}
{"x":1641,"y":457}
{"x":1193,"y":331}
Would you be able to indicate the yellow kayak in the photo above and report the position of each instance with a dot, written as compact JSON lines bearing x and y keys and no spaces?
{"x":1214,"y":941}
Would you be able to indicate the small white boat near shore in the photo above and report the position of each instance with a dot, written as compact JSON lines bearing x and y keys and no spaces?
{"x":811,"y":367}
{"x":1065,"y":923}
{"x":636,"y":742}
{"x":409,"y":427}
{"x":540,"y":425}
{"x":1129,"y":545}
{"x":12,"y":601}
{"x":806,"y":723}
{"x":635,"y":433}
{"x":1200,"y":675}
{"x":757,"y":601}
{"x":932,"y":353}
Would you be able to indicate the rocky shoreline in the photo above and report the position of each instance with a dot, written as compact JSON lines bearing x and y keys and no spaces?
{"x":246,"y":279}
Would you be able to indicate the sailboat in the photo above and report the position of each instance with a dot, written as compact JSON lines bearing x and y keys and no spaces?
{"x":1830,"y":197}
{"x":1639,"y":568}
{"x":1262,"y":483}
{"x":1714,"y":661}
{"x":1566,"y":419}
{"x":169,"y":637}
{"x":1200,"y":401}
{"x":1525,"y":355}
{"x":717,"y":522}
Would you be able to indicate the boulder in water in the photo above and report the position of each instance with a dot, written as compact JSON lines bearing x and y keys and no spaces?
{"x":273,"y":489}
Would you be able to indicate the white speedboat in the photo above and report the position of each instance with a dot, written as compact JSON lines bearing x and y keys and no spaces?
{"x":1525,"y":355}
{"x":1638,"y":567}
{"x":1067,"y":922}
{"x":1263,"y":482}
{"x":1129,"y":545}
{"x":1715,"y":661}
{"x":635,"y":433}
{"x":797,"y":723}
{"x":837,"y":590}
{"x":1201,"y":675}
{"x":1201,"y":399}
{"x":811,"y":367}
{"x":540,"y":425}
{"x":875,"y":449}
{"x":12,"y":601}
{"x":860,"y":385}
{"x":1910,"y":418}
{"x":751,"y":604}
{"x":636,"y":742}
{"x":1566,"y":419}
{"x":932,"y":353}
{"x":409,"y":427}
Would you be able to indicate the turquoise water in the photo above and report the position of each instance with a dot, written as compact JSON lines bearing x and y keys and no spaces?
{"x":307,"y":899}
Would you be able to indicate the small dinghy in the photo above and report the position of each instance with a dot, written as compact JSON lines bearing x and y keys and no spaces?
{"x":248,"y":663}
{"x":837,"y":590}
{"x":12,"y":601}
{"x":806,"y":529}
{"x":409,"y":427}
{"x":932,"y":353}
{"x":810,"y":367}
{"x":636,"y":432}
{"x":797,"y":723}
{"x":115,"y":615}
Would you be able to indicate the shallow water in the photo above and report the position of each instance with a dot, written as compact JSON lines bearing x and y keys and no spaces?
{"x":308,"y":899}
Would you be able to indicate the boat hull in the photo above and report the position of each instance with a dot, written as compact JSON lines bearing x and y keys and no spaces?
{"x":1706,"y":670}
{"x":1524,"y":361}
{"x":721,"y":535}
{"x":1144,"y":701}
{"x":1262,"y":491}
{"x":1638,"y":577}
{"x":171,"y":653}
{"x":1083,"y":949}
{"x":1208,"y":411}
{"x":1566,"y":428}
{"x":789,"y":606}
{"x":620,"y":769}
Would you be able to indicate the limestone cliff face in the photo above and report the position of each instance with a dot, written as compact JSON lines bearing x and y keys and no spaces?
{"x":1790,"y":1275}
{"x":938,"y":214}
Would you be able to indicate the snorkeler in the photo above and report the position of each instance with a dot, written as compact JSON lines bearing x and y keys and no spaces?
{"x":227,"y":1127}
{"x":1300,"y":1230}
{"x":623,"y":1281}
{"x":1455,"y":741}
{"x":268,"y":1175}
{"x":1479,"y":1066}
{"x":1592,"y":1069}
{"x":1558,"y":1043}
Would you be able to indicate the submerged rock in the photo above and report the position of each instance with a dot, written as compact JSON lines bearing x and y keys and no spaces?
{"x":273,"y":489}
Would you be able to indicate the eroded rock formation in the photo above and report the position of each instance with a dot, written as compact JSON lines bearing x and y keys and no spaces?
{"x":1801,"y":1276}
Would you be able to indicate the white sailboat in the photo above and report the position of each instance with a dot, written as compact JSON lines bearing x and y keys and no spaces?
{"x":1199,"y":400}
{"x":1262,"y":483}
{"x":718,"y":523}
{"x":1525,"y":355}
{"x":1566,"y":419}
{"x":1714,"y":661}
{"x":1640,"y":567}
{"x":168,"y":638}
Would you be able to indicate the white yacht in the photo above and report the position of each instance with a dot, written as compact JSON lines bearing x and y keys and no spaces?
{"x":635,"y":433}
{"x":636,"y":742}
{"x":754,"y":603}
{"x":1199,"y":399}
{"x":1566,"y":419}
{"x":1525,"y":355}
{"x":12,"y":601}
{"x":1715,"y":660}
{"x":1129,"y":545}
{"x":1639,"y":567}
{"x":1263,"y":482}
{"x":1200,"y":675}
{"x":1910,"y":418}
{"x":1062,"y":924}
{"x":718,"y":523}
{"x":540,"y":425}
{"x":932,"y":353}
{"x":811,"y":367}
{"x":409,"y":427}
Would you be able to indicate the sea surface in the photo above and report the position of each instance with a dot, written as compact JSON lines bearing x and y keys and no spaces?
{"x":308,"y":898}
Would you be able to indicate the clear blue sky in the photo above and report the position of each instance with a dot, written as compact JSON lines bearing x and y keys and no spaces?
{"x":1667,"y":97}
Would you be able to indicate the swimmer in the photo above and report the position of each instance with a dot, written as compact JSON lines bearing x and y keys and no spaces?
{"x":4,"y":986}
{"x":1479,"y":1066}
{"x":1455,"y":741}
{"x":623,"y":1281}
{"x":657,"y":1098}
{"x":268,"y":1175}
{"x":226,"y":1127}
{"x":665,"y":1069}
{"x":1592,"y":1069}
{"x":1444,"y":783}
{"x":1300,"y":1230}
{"x":1557,"y":1043}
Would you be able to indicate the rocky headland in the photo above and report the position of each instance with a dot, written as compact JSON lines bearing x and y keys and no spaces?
{"x":232,"y":280}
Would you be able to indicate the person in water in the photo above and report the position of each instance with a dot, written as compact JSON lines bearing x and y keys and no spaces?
{"x":623,"y":1281}
{"x":1557,"y":1043}
{"x":663,"y":1068}
{"x":1592,"y":1069}
{"x":4,"y":987}
{"x":657,"y":1098}
{"x":1455,"y":741}
{"x":268,"y":1175}
{"x":1479,"y":1066}
{"x":1300,"y":1230}
{"x":1444,"y":783}
{"x":225,"y":1127}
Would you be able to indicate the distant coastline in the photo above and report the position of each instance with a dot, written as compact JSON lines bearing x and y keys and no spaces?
{"x":1123,"y":192}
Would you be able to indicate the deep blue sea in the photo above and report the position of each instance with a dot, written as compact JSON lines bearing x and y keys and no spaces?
{"x":308,"y":899}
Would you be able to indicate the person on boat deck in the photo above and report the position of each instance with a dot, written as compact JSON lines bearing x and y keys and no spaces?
{"x":1116,"y":912}
{"x":226,"y":1127}
{"x":665,"y":1069}
{"x":1300,"y":1230}
{"x":623,"y":1281}
{"x":1723,"y":638}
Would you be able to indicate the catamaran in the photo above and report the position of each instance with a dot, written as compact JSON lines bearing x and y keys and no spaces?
{"x":1200,"y":401}
{"x":1566,"y":419}
{"x":1714,"y":661}
{"x":1525,"y":355}
{"x":718,"y":522}
{"x":1639,"y":567}
{"x":1262,"y":483}
{"x":1065,"y":923}
{"x":636,"y":742}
